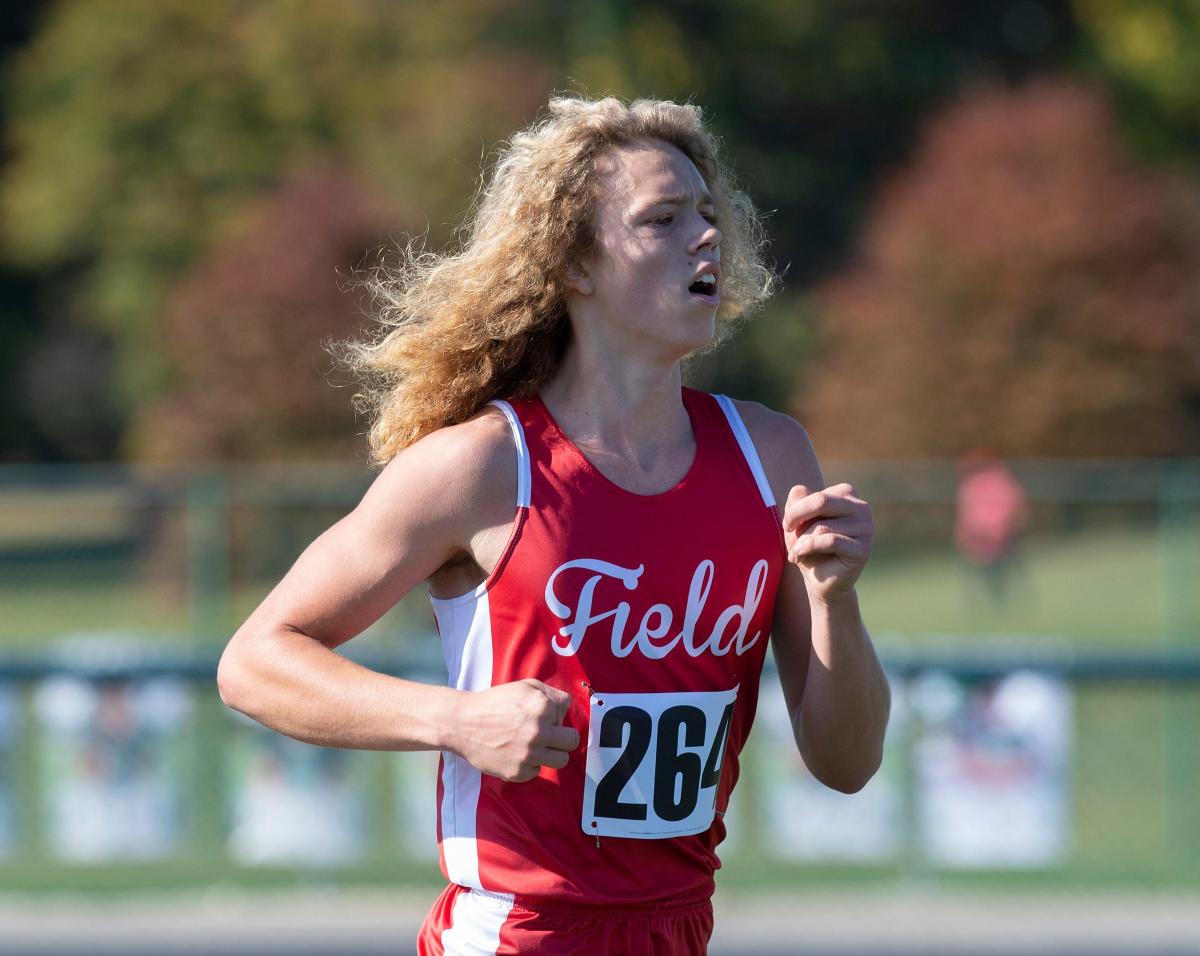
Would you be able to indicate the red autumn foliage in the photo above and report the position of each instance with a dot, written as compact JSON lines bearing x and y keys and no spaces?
{"x":1020,"y":284}
{"x":246,"y":332}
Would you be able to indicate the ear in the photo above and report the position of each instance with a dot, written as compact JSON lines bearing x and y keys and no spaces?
{"x":578,"y":279}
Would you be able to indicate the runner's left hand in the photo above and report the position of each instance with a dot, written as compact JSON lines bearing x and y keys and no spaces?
{"x":828,"y":535}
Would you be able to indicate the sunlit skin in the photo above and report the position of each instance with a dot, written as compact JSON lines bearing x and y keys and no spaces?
{"x":655,"y":227}
{"x":633,"y":319}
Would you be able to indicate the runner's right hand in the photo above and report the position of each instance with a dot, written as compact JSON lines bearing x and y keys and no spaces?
{"x":512,"y":730}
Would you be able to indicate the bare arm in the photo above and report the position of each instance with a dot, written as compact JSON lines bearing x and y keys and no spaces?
{"x":435,"y":500}
{"x":835,"y":688}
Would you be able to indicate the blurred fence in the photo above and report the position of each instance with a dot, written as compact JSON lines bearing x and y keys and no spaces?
{"x":1046,"y":691}
{"x":1072,"y":769}
{"x":1108,"y":551}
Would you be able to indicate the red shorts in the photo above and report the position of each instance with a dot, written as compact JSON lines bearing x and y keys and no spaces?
{"x":467,"y":922}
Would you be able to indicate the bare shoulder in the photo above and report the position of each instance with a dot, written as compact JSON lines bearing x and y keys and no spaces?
{"x":455,"y":490}
{"x":461,"y":474}
{"x":426,"y":510}
{"x":783,"y":446}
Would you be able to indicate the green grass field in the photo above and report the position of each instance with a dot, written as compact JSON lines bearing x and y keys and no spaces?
{"x":1094,"y":587}
{"x":1100,"y":587}
{"x":1133,"y":773}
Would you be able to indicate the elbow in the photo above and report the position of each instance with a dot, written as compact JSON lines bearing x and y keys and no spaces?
{"x":227,"y":678}
{"x":849,"y":775}
{"x":849,"y":787}
{"x":846,"y":765}
{"x":853,"y":779}
{"x":844,"y":779}
{"x":853,"y":782}
{"x":232,"y":678}
{"x":248,"y":671}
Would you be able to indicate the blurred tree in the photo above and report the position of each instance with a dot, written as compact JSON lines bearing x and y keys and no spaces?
{"x":139,"y":131}
{"x":1148,"y":51}
{"x":1020,"y":285}
{"x":245,"y":331}
{"x":66,"y":381}
{"x":20,"y":322}
{"x":20,"y":318}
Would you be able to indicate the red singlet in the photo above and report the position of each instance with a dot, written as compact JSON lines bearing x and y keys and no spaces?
{"x":653,"y":612}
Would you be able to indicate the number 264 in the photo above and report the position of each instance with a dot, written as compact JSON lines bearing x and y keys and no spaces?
{"x":679,"y":775}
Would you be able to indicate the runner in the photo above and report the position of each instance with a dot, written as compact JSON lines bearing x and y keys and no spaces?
{"x":607,"y":552}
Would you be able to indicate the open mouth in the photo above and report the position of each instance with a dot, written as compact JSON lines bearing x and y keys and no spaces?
{"x":705,"y":286}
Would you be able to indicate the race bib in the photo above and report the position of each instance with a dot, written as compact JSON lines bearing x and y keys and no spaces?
{"x":654,"y":762}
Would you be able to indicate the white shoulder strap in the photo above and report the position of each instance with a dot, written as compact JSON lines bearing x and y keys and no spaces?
{"x":522,"y":451}
{"x":738,"y":427}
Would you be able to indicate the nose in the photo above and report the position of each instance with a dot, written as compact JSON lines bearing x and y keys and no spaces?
{"x":710,"y":236}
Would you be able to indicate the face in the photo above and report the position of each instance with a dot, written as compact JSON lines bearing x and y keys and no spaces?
{"x":655,"y":236}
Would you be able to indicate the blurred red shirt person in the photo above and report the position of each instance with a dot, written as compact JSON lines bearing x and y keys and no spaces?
{"x":992,"y":509}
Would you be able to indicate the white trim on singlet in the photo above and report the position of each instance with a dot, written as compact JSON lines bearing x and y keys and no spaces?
{"x":465,"y":626}
{"x":747,"y":445}
{"x":523,"y":497}
{"x":466,"y":632}
{"x":522,"y":451}
{"x":475,"y":922}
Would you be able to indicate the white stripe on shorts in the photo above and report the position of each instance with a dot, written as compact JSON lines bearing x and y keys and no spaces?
{"x":475,"y":923}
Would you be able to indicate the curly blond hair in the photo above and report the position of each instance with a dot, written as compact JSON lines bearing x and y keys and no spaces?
{"x":453,"y":331}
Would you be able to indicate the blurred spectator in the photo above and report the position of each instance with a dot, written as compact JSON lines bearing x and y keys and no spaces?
{"x":996,"y":751}
{"x":296,"y":804}
{"x":112,"y":764}
{"x":992,"y":510}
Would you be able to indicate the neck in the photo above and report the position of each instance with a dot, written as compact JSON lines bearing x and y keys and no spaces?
{"x":625,"y":406}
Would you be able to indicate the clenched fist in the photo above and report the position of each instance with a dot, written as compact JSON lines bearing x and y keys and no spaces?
{"x":828,"y":535}
{"x":512,"y":730}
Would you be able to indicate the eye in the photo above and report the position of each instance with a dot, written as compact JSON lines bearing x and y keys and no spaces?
{"x":711,"y":217}
{"x":662,"y":220}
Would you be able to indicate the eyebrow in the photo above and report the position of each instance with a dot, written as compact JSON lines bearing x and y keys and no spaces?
{"x":678,"y":199}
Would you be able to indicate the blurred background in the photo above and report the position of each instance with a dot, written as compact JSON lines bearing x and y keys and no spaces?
{"x":988,"y":219}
